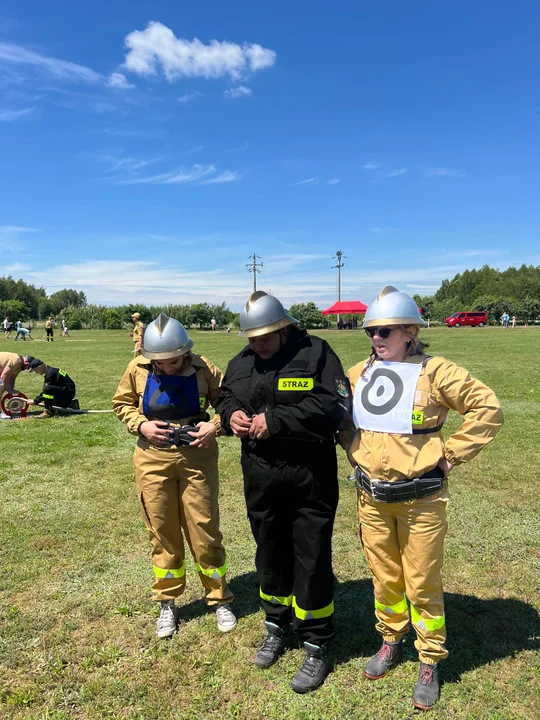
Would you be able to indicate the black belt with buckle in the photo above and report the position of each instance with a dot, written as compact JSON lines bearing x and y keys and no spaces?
{"x":401,"y":490}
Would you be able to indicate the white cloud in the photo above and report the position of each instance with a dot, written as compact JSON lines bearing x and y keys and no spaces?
{"x":370,"y":166}
{"x":224,"y":177}
{"x":12,"y":115}
{"x":387,"y":174}
{"x":309,"y":181}
{"x":238,"y":92}
{"x":189,"y":96}
{"x":444,"y":172}
{"x":119,"y":81}
{"x":11,"y":54}
{"x":158,"y":48}
{"x":16,"y":229}
{"x":333,"y":181}
{"x":199,"y":174}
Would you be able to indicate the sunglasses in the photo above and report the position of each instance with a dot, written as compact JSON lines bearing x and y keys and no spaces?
{"x":382,"y":332}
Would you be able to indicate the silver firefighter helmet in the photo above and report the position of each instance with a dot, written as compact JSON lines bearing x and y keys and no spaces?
{"x":392,"y":307}
{"x":165,"y":338}
{"x":263,"y":314}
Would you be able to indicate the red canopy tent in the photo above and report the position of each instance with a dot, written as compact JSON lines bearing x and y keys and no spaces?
{"x":347,"y":307}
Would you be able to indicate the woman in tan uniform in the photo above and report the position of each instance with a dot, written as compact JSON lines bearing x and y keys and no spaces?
{"x":163,"y":398}
{"x":401,"y":399}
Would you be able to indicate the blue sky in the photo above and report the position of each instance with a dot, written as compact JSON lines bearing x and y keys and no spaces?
{"x":148,"y":148}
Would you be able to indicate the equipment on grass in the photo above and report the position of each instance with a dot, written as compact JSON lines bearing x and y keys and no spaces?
{"x":14,"y":404}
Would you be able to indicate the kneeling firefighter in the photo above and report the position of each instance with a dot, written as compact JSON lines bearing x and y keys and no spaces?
{"x":163,"y":397}
{"x":401,"y":397}
{"x":58,"y":388}
{"x":286,"y":396}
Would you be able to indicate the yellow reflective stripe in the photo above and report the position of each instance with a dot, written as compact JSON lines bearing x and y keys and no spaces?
{"x":277,"y":599}
{"x":312,"y":614}
{"x":418,"y":417}
{"x":202,"y":401}
{"x":425,"y":623}
{"x":167,"y":573}
{"x":48,"y":397}
{"x":397,"y":609}
{"x":63,"y":373}
{"x":215,"y":573}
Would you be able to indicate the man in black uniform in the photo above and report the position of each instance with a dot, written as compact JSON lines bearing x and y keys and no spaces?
{"x":286,"y":396}
{"x":58,"y":388}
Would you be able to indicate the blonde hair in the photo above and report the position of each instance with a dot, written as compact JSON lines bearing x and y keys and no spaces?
{"x":415,"y":346}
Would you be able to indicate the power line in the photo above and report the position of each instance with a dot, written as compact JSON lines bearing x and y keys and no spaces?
{"x":253,"y":268}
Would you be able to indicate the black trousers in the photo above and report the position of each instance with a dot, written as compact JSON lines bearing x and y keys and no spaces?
{"x":291,"y":499}
{"x":50,"y":334}
{"x":62,"y":398}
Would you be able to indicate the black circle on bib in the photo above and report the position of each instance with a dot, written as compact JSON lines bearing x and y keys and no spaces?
{"x":390,"y":404}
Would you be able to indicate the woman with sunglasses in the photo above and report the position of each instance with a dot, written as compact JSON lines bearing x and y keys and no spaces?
{"x":401,"y":399}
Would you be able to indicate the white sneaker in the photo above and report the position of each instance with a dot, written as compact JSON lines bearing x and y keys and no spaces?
{"x":166,"y":622}
{"x":226,"y":619}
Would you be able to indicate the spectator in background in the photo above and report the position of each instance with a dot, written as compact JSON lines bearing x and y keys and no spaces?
{"x":213,"y":324}
{"x":24,"y":332}
{"x":49,"y":325}
{"x":7,"y":328}
{"x":513,"y":321}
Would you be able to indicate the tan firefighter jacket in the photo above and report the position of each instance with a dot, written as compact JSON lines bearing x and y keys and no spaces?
{"x":442,"y":386}
{"x":128,"y":399}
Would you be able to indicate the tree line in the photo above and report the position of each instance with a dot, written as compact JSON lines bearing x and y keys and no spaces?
{"x":515,"y":290}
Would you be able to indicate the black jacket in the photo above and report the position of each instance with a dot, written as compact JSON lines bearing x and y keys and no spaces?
{"x":302,"y":390}
{"x":55,"y":381}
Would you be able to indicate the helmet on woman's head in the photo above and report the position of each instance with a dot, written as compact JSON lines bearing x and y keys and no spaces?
{"x":165,"y":338}
{"x":392,"y":307}
{"x":263,"y":314}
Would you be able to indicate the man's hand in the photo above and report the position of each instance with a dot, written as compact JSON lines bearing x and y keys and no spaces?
{"x":156,"y":431}
{"x":446,"y":466}
{"x":204,"y":436}
{"x":240,"y":423}
{"x":130,"y":334}
{"x":30,"y":402}
{"x":259,"y":428}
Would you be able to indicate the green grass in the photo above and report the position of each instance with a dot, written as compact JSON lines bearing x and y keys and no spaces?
{"x":77,"y":634}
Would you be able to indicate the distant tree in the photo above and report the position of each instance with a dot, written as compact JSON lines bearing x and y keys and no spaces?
{"x":113,"y":319}
{"x":63,"y":299}
{"x":309,"y":315}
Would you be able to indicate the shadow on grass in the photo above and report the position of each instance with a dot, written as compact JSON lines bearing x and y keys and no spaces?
{"x":246,"y":598}
{"x":479,"y":630}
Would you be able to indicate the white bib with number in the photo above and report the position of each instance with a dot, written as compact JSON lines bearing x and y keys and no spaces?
{"x":384,"y":397}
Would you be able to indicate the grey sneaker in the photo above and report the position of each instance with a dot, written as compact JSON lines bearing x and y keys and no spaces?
{"x":226,"y":619}
{"x":166,"y":622}
{"x":274,"y":645}
{"x":390,"y":655}
{"x":426,"y":690}
{"x":314,"y":669}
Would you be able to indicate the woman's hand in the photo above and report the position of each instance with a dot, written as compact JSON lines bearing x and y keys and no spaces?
{"x":446,"y":466}
{"x":157,"y":432}
{"x":240,"y":423}
{"x":259,"y":428}
{"x":204,"y":436}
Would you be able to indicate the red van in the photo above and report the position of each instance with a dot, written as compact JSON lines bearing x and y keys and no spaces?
{"x":474,"y":319}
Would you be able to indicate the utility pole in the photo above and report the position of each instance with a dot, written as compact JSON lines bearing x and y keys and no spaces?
{"x":253,"y":268}
{"x":339,"y":255}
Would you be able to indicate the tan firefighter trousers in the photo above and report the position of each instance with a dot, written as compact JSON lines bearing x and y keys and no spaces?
{"x":178,"y":491}
{"x":403,"y":543}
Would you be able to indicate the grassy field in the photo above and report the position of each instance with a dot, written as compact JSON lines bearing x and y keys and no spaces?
{"x":77,"y":633}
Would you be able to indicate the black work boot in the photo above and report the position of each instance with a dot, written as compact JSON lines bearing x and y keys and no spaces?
{"x":274,"y":645}
{"x":314,"y":669}
{"x":426,"y":690}
{"x":390,"y":655}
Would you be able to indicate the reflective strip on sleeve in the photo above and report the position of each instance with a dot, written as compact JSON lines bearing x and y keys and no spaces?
{"x":435,"y":624}
{"x":312,"y":614}
{"x":397,"y":609}
{"x":215,"y":573}
{"x":286,"y":600}
{"x":168,"y":574}
{"x":63,"y":373}
{"x":48,"y":397}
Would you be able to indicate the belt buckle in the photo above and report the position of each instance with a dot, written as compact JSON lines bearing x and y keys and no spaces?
{"x":373,"y":482}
